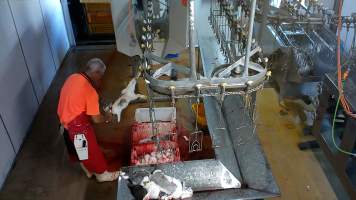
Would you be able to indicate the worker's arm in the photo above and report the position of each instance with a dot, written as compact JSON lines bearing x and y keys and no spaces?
{"x":97,"y":119}
{"x":107,"y":117}
{"x":101,"y":118}
{"x":93,"y":109}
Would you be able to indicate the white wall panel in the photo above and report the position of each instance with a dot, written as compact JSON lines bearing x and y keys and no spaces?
{"x":56,"y":29}
{"x":18,"y":103}
{"x":28,"y":19}
{"x":7,"y":154}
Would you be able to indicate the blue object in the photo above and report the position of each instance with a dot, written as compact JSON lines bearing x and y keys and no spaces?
{"x":171,"y":56}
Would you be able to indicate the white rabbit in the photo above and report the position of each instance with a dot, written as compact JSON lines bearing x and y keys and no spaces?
{"x":127,"y":95}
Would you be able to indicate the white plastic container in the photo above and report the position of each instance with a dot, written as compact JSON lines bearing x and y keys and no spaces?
{"x":163,"y":114}
{"x":81,"y":146}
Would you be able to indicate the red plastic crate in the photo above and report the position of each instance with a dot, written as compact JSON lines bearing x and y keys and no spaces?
{"x":142,"y":131}
{"x":140,"y":150}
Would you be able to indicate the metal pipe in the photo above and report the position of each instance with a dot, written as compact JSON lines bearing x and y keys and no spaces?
{"x":250,"y":33}
{"x":265,"y":11}
{"x":192,"y":58}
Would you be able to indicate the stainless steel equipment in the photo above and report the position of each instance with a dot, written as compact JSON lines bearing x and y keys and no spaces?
{"x":251,"y":76}
{"x":301,"y":47}
{"x":232,"y":73}
{"x":303,"y":55}
{"x":344,"y":136}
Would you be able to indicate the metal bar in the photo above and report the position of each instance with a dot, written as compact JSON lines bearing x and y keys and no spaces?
{"x":265,"y":11}
{"x":221,"y":140}
{"x":250,"y":33}
{"x":191,"y":18}
{"x":323,"y":41}
{"x":249,"y":154}
{"x":152,"y":113}
{"x":236,"y":64}
{"x":162,"y":97}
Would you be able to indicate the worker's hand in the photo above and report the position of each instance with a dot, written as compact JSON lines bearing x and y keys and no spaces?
{"x":97,"y":119}
{"x":108,"y":117}
{"x":102,"y":118}
{"x":107,"y":108}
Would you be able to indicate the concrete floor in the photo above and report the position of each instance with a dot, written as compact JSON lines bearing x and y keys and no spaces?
{"x":42,"y":170}
{"x":299,"y":174}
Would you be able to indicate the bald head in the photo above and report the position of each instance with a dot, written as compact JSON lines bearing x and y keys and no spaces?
{"x":95,"y":65}
{"x":95,"y":69}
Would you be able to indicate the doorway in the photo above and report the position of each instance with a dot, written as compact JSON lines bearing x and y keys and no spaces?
{"x":91,"y":22}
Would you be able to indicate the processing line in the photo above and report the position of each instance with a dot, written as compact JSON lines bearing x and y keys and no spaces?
{"x":227,"y":84}
{"x":234,"y":47}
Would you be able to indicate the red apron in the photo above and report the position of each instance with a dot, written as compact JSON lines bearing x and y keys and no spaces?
{"x":81,"y":125}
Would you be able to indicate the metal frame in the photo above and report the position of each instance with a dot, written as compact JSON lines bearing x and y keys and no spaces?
{"x":207,"y":82}
{"x":337,"y":159}
{"x":238,"y":153}
{"x":213,"y":83}
{"x":302,"y":49}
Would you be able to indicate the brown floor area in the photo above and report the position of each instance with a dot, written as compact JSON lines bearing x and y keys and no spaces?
{"x":42,"y":170}
{"x":298,"y":173}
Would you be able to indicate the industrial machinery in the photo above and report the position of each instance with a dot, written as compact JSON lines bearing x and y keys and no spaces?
{"x":232,"y":46}
{"x":334,"y":130}
{"x":232,"y":71}
{"x":312,"y":63}
{"x":335,"y":117}
{"x":301,"y":47}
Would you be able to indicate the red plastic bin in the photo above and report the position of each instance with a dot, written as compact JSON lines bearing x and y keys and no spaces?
{"x":140,"y":150}
{"x":142,"y":131}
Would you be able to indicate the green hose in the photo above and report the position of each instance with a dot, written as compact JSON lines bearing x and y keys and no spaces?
{"x":333,"y":131}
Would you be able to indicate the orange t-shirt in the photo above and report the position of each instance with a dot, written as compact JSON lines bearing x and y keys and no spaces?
{"x":77,"y":96}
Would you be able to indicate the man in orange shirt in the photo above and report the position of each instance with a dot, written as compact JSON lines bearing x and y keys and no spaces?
{"x":78,"y":108}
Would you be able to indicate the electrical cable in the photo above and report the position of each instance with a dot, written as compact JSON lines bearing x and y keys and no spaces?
{"x":333,"y":131}
{"x":342,"y":76}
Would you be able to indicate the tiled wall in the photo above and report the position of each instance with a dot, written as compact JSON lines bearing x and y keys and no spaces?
{"x":33,"y":43}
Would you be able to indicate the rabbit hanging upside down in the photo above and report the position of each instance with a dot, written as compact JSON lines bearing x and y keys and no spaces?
{"x":127,"y":95}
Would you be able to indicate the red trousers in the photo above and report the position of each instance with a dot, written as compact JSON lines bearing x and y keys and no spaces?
{"x":81,"y":125}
